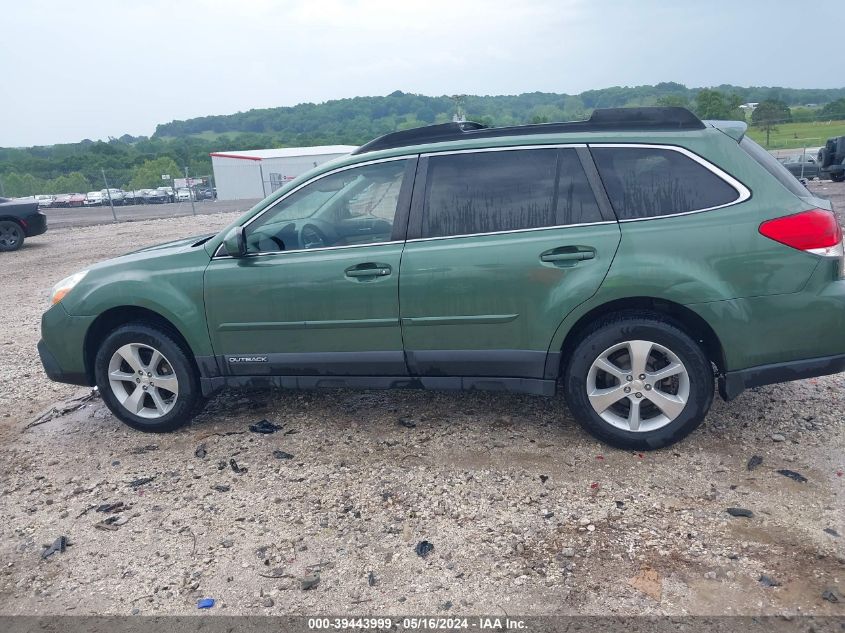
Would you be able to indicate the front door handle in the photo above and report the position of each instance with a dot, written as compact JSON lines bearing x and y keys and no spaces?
{"x":567,"y":255}
{"x":368,"y":270}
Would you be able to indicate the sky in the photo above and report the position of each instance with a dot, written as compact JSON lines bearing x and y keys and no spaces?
{"x":99,"y":68}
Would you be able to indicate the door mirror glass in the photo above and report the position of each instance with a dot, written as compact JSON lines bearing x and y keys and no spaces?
{"x":234,"y":242}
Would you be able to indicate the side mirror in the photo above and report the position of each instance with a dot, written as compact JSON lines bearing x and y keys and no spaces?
{"x":235,"y":242}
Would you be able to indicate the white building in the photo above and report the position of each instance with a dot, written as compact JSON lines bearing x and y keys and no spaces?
{"x":258,"y":173}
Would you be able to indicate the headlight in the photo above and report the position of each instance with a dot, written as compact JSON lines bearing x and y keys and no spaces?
{"x":65,"y":286}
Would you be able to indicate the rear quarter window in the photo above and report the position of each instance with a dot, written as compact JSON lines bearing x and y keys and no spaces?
{"x":645,"y":182}
{"x":774,"y":167}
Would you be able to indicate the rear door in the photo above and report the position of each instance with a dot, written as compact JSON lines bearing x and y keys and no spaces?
{"x":502,"y":245}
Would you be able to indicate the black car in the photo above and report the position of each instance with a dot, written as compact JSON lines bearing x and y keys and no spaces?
{"x":802,"y":166}
{"x":831,"y":159}
{"x":19,"y":220}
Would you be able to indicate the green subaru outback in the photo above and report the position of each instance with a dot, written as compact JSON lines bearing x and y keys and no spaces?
{"x":632,"y":260}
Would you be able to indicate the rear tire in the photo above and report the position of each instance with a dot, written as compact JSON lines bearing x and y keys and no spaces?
{"x":614,"y":388}
{"x":147,"y":378}
{"x":11,"y":236}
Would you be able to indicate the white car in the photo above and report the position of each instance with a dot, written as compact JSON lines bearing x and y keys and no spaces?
{"x":44,"y":201}
{"x":184,"y":194}
{"x":117,"y":195}
{"x":94,"y":198}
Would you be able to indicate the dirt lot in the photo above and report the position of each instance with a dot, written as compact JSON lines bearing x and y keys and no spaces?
{"x":525,"y":512}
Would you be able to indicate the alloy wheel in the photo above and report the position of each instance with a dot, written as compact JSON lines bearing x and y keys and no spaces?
{"x":638,"y":386}
{"x":143,"y":380}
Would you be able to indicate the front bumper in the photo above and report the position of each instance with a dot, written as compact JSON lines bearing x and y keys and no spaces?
{"x":62,"y":346}
{"x":55,"y":372}
{"x":733,"y":383}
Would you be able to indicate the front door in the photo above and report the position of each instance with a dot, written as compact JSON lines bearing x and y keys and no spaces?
{"x":502,"y":246}
{"x":317,"y":293}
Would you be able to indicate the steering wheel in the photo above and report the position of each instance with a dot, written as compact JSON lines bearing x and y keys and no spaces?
{"x":311,"y":237}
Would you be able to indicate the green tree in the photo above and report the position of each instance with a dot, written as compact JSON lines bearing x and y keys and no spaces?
{"x":148,"y":175}
{"x":768,"y":114}
{"x":834,"y":109}
{"x":712,"y":104}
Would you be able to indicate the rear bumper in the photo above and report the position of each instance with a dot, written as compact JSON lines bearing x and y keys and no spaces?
{"x":733,"y":383}
{"x":36,"y":224}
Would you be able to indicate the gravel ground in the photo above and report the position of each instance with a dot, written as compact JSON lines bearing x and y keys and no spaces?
{"x":525,"y":512}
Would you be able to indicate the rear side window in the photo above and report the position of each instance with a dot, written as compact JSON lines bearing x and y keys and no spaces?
{"x":774,"y":167}
{"x":644,"y":182}
{"x":486,"y":192}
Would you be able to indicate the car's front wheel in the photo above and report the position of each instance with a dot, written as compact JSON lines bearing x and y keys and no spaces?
{"x":147,"y":378}
{"x":11,"y":235}
{"x":638,"y":381}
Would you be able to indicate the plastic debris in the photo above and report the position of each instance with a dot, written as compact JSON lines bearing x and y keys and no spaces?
{"x":237,"y":469}
{"x":264,"y":427}
{"x":755,"y":461}
{"x":423,"y":549}
{"x":740,"y":512}
{"x":544,"y":478}
{"x":768,"y":581}
{"x":205,"y":603}
{"x":282,"y":455}
{"x":831,"y":595}
{"x":309,"y":582}
{"x":201,"y":452}
{"x":832,"y":532}
{"x":137,"y":483}
{"x":371,"y":579}
{"x":58,"y":545}
{"x":794,"y":476}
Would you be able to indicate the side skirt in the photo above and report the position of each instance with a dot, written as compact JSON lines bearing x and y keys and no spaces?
{"x":534,"y":386}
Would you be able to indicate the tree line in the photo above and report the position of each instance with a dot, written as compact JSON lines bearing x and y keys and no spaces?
{"x":138,"y":162}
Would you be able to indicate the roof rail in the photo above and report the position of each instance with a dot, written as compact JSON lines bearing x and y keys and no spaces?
{"x":628,"y":119}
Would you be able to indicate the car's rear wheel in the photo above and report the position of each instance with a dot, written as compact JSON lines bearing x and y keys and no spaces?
{"x":11,"y":235}
{"x":147,"y":378}
{"x":638,"y":381}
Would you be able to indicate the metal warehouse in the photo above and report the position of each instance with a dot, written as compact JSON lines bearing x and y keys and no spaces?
{"x":257,"y":173}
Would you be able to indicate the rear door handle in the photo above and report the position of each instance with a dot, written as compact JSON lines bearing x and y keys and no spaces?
{"x":567,"y":255}
{"x":368,"y":270}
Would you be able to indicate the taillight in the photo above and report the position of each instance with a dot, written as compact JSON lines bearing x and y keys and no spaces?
{"x":816,"y":231}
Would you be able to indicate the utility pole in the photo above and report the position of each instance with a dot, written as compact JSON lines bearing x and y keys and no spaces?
{"x":190,"y":191}
{"x":108,"y":193}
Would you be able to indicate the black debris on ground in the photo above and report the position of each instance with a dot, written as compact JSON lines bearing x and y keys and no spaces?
{"x":237,"y":469}
{"x":282,"y":455}
{"x":424,"y":548}
{"x":740,"y":512}
{"x":137,"y":483}
{"x":265,"y":427}
{"x":408,"y":423}
{"x":140,"y":450}
{"x":111,"y":508}
{"x":831,"y":595}
{"x":58,"y":545}
{"x":755,"y":461}
{"x":544,"y":478}
{"x":221,"y":488}
{"x":768,"y":581}
{"x":371,"y":579}
{"x":832,"y":532}
{"x":792,"y":475}
{"x":309,"y":582}
{"x":201,"y":451}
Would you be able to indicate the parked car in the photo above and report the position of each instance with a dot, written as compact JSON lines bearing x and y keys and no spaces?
{"x":44,"y":201}
{"x":18,"y":221}
{"x":589,"y":257}
{"x":62,"y":200}
{"x":76,"y":200}
{"x":802,"y":165}
{"x":118,"y":196}
{"x":156,"y":196}
{"x":831,"y":159}
{"x":184,"y":194}
{"x":95,"y":198}
{"x":206,"y":193}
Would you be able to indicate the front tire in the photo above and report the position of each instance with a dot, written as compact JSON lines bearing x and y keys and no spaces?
{"x":11,"y":236}
{"x":147,"y":378}
{"x":637,"y":381}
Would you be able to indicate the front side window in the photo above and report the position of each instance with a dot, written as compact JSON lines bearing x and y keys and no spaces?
{"x":351,"y":207}
{"x":487,"y":192}
{"x":646,"y":182}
